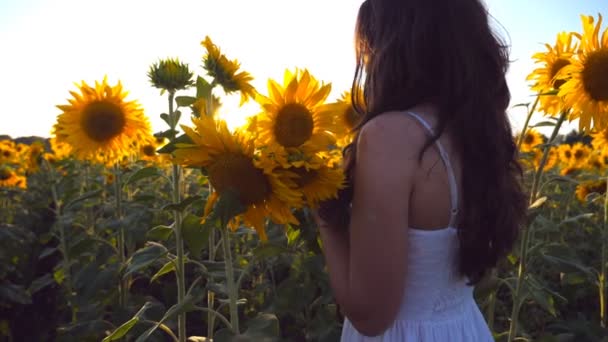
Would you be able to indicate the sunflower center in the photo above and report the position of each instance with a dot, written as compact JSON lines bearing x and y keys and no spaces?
{"x":579,"y":154}
{"x":595,"y":75}
{"x":351,"y":117}
{"x":237,"y":172}
{"x":149,"y":150}
{"x":102,"y":121}
{"x":6,"y":153}
{"x":305,"y":177}
{"x":528,"y":139}
{"x":568,"y":154}
{"x":294,"y":125}
{"x":5,"y":173}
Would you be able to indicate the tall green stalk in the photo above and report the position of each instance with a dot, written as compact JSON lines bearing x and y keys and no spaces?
{"x":123,"y":286}
{"x":210,"y":294}
{"x":232,"y":289}
{"x":177,"y":228}
{"x":62,"y":236}
{"x":603,"y":270}
{"x":528,"y":117}
{"x":526,"y":231}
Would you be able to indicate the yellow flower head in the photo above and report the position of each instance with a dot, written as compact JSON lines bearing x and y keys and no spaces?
{"x":550,"y":163}
{"x":226,"y":72}
{"x":565,"y":154}
{"x":295,"y":121}
{"x":347,"y":117}
{"x":229,"y":161}
{"x":586,"y":90}
{"x":585,"y":189}
{"x":11,"y":179}
{"x":580,"y":153}
{"x":317,"y":184}
{"x":545,"y":77}
{"x":531,"y":140}
{"x":99,"y":125}
{"x":60,"y":150}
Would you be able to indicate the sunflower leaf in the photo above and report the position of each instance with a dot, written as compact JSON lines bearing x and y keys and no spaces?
{"x":170,"y":147}
{"x":196,"y":235}
{"x":183,"y":205}
{"x":166,"y":118}
{"x":203,"y":88}
{"x":143,"y":173}
{"x":144,"y":257}
{"x":227,"y":207}
{"x":160,"y":233}
{"x":90,"y":194}
{"x":185,"y":101}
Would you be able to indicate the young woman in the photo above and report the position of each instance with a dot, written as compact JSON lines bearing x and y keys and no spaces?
{"x":434,"y":198}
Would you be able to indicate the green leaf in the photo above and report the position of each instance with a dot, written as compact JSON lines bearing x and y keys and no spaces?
{"x":90,"y":194}
{"x":169,"y":267}
{"x":566,"y":265}
{"x":186,"y":306}
{"x":183,"y":205}
{"x":185,"y":101}
{"x":227,"y":207}
{"x":268,"y":250}
{"x":122,"y":330}
{"x":144,"y":257}
{"x":203,"y":88}
{"x":143,"y":173}
{"x":166,"y":119}
{"x":170,"y":147}
{"x":160,"y":233}
{"x":196,"y":235}
{"x":262,"y":327}
{"x":40,"y":283}
{"x":538,"y":203}
{"x":81,"y":247}
{"x":543,"y":124}
{"x":10,"y":292}
{"x":225,"y":335}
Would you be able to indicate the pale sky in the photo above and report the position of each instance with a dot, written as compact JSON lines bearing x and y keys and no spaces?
{"x":47,"y":45}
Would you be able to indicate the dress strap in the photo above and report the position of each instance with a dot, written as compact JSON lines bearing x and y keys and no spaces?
{"x":448,"y":167}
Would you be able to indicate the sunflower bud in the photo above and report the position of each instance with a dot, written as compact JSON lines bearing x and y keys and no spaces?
{"x":171,"y":75}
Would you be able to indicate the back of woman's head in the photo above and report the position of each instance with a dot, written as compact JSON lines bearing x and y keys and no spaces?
{"x":444,"y":52}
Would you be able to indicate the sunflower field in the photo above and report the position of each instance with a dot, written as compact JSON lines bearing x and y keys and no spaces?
{"x":200,"y":232}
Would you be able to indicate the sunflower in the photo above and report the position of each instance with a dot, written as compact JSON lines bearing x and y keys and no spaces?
{"x":170,"y":74}
{"x":586,"y":91}
{"x":9,"y":178}
{"x":545,"y":77}
{"x":585,"y":189}
{"x":229,"y":161}
{"x":60,"y":150}
{"x":225,"y":72}
{"x":294,"y":120}
{"x":600,"y":139}
{"x":346,"y":116}
{"x":565,"y":154}
{"x":148,"y":150}
{"x":594,"y":162}
{"x":318,"y":184}
{"x":99,"y":121}
{"x":580,"y":153}
{"x":532,"y":138}
{"x":552,"y":158}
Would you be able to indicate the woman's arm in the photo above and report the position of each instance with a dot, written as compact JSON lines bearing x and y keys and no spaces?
{"x":367,"y":262}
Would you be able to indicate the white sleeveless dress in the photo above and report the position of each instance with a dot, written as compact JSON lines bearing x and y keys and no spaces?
{"x":437,"y":304}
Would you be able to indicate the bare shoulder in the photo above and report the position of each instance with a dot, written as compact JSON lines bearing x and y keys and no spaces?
{"x":390,"y":130}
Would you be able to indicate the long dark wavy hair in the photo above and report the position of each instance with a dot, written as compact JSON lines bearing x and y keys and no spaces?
{"x":444,"y":52}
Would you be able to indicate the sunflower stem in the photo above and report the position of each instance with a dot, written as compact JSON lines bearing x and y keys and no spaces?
{"x":212,"y":249}
{"x":526,"y":231}
{"x":602,"y":276}
{"x":123,"y":283}
{"x":179,"y":241}
{"x":528,"y":117}
{"x":62,"y":236}
{"x":232,"y":290}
